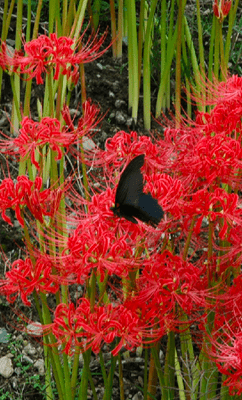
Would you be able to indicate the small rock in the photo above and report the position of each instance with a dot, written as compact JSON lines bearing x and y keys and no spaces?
{"x":116,"y":86}
{"x":111,"y":94}
{"x":29,"y":349}
{"x":138,"y":396}
{"x":39,"y":364}
{"x":27,"y":359}
{"x":14,"y":382}
{"x":141,"y":381}
{"x":120,"y":118}
{"x":6,"y":366}
{"x":18,"y":371}
{"x":99,"y":66}
{"x":119,"y":103}
{"x":4,"y":336}
{"x":130,"y":122}
{"x":34,"y":329}
{"x":112,"y":115}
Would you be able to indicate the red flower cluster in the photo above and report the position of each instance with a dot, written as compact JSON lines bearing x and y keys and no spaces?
{"x":34,"y":135}
{"x":226,"y":338}
{"x":95,"y":244}
{"x":48,"y":53}
{"x":25,"y":193}
{"x":25,"y":277}
{"x":48,"y":132}
{"x":168,"y":281}
{"x":164,"y":273}
{"x":86,"y":328}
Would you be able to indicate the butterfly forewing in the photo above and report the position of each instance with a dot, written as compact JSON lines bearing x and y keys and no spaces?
{"x":131,"y":183}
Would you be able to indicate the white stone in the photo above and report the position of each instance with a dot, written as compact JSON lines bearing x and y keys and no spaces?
{"x":6,"y":366}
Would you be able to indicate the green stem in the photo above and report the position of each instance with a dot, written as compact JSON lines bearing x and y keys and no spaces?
{"x":178,"y":62}
{"x":120,"y":29}
{"x":113,"y":27}
{"x":232,"y":16}
{"x":104,"y":374}
{"x":194,"y":62}
{"x":163,"y":83}
{"x":84,"y":170}
{"x":9,"y":16}
{"x":3,"y":35}
{"x":53,"y":353}
{"x":146,"y":67}
{"x":211,"y":50}
{"x":169,"y":370}
{"x":51,"y":96}
{"x":78,"y":20}
{"x":179,"y":378}
{"x":108,"y":392}
{"x":15,"y":85}
{"x":216,"y":48}
{"x":146,"y":374}
{"x":121,"y":377}
{"x":158,"y":368}
{"x":133,"y":59}
{"x":140,"y":39}
{"x":189,"y":236}
{"x":86,"y":357}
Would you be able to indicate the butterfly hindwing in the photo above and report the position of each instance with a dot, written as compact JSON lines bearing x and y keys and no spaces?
{"x":148,"y":210}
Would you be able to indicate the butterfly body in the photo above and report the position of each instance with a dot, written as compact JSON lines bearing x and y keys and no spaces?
{"x":130,"y":201}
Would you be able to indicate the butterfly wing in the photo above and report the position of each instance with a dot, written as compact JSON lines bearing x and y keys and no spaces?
{"x":131,"y":183}
{"x":130,"y":201}
{"x":148,"y":210}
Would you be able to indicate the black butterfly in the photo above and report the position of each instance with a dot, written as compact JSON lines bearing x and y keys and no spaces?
{"x":130,"y":201}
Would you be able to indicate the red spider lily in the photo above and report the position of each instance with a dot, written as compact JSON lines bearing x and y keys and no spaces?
{"x":25,"y":277}
{"x":212,"y":160}
{"x":226,"y":115}
{"x":168,"y":281}
{"x":222,"y":9}
{"x":234,"y":250}
{"x":23,"y":193}
{"x":219,"y":157}
{"x":5,"y":60}
{"x":167,"y":190}
{"x":218,"y":206}
{"x":224,"y":119}
{"x":209,"y":160}
{"x":34,"y":135}
{"x":226,"y":338}
{"x":86,"y":123}
{"x":47,"y":53}
{"x":126,"y":146}
{"x":92,"y":328}
{"x":112,"y":254}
